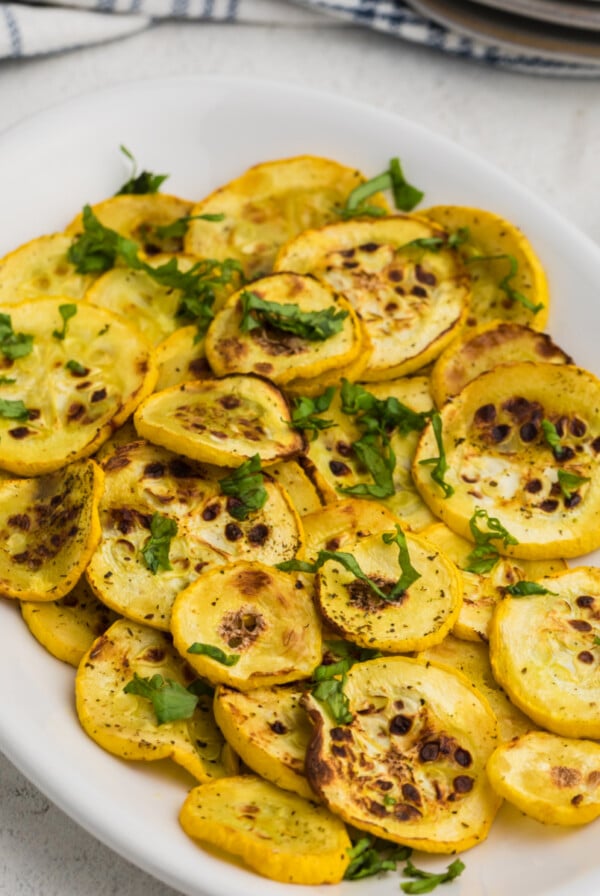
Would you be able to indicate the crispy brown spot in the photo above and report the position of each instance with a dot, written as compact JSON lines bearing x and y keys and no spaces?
{"x":411,"y":794}
{"x":424,"y":276}
{"x":562,"y":776}
{"x":485,"y":414}
{"x":154,"y":470}
{"x":338,"y":468}
{"x":252,"y":581}
{"x":229,"y":402}
{"x":278,"y":727}
{"x":405,"y":812}
{"x":233,"y":532}
{"x":463,"y":757}
{"x":400,"y":724}
{"x":580,"y":625}
{"x":20,"y":521}
{"x":258,"y":534}
{"x":211,"y":512}
{"x":98,"y":395}
{"x":463,"y":784}
{"x":429,"y":752}
{"x":153,"y":655}
{"x":585,"y":657}
{"x":19,"y":432}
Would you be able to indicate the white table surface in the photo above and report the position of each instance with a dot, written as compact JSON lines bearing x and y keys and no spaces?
{"x":545,"y":132}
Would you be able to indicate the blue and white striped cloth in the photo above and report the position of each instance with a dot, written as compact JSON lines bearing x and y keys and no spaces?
{"x":40,"y":27}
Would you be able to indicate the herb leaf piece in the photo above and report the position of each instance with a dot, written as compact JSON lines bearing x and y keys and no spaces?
{"x":316,"y":326}
{"x":13,"y":409}
{"x":552,"y":438}
{"x":66,"y":312}
{"x":524,"y":589}
{"x":506,"y":283}
{"x":370,"y":856}
{"x":177,"y":229}
{"x":245,"y":486}
{"x":406,"y":197}
{"x":155,"y":552}
{"x":13,"y":345}
{"x":215,"y":653}
{"x":427,"y":881}
{"x":570,"y":482}
{"x":170,"y":700}
{"x":305,"y":412}
{"x":485,"y":554}
{"x":138,"y":184}
{"x":439,"y":463}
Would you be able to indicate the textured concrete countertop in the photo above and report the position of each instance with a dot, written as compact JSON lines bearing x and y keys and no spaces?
{"x":545,"y":133}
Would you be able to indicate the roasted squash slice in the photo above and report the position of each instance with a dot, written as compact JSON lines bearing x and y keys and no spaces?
{"x":68,"y":627}
{"x":410,"y":766}
{"x":278,"y":834}
{"x":247,"y":625}
{"x":555,"y":780}
{"x":222,"y":421}
{"x":49,"y":528}
{"x":521,"y":444}
{"x":545,"y":654}
{"x":41,"y":268}
{"x":473,"y":661}
{"x":508,"y":280}
{"x":282,"y":354}
{"x":181,"y":357}
{"x":79,"y":373}
{"x":482,"y":591}
{"x":149,"y":488}
{"x":126,"y":723}
{"x":342,"y":523}
{"x":420,"y":615}
{"x":269,"y":730}
{"x":411,"y":300}
{"x":301,"y":481}
{"x":481,"y":348}
{"x":269,"y":204}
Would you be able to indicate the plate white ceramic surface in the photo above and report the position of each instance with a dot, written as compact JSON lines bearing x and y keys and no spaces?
{"x":205,"y":131}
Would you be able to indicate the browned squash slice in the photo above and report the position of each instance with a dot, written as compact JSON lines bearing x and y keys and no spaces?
{"x":342,"y":523}
{"x":150,"y":488}
{"x":509,"y":266}
{"x":181,"y":357}
{"x":484,"y":347}
{"x":269,"y":730}
{"x":68,"y":627}
{"x":410,"y":765}
{"x":418,"y":616}
{"x":126,"y":723}
{"x":49,"y":528}
{"x":269,"y":204}
{"x":521,"y":444}
{"x":222,"y":421}
{"x":84,"y":374}
{"x":278,"y":834}
{"x":555,"y":780}
{"x":40,"y":268}
{"x":545,"y":654}
{"x":301,"y":480}
{"x":411,"y":300}
{"x":247,"y":625}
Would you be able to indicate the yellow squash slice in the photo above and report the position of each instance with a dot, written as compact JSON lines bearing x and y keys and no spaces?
{"x":146,"y":483}
{"x":481,"y":348}
{"x":337,"y":461}
{"x":68,"y":627}
{"x":482,"y":591}
{"x":272,"y":352}
{"x":508,"y":267}
{"x":545,"y":654}
{"x":181,"y":357}
{"x":421,"y":614}
{"x":222,"y":421}
{"x":49,"y":528}
{"x":126,"y":724}
{"x":251,"y":624}
{"x":314,"y":386}
{"x":473,"y":661}
{"x":555,"y":780}
{"x":83,"y":376}
{"x":137,"y":217}
{"x":39,"y":269}
{"x":342,"y":523}
{"x":521,"y":443}
{"x":278,"y":834}
{"x":410,"y":765}
{"x":410,"y":300}
{"x":268,"y":205}
{"x":302,"y":482}
{"x":269,"y":730}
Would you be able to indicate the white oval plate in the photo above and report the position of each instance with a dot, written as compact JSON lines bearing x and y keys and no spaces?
{"x":205,"y":131}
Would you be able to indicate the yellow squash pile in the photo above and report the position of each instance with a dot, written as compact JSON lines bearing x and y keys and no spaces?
{"x":291,"y":479}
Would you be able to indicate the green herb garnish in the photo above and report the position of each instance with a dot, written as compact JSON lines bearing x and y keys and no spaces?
{"x":178,"y":228}
{"x":245,"y":485}
{"x":305,"y":412}
{"x":552,"y":438}
{"x":215,"y":653}
{"x":485,"y":554}
{"x":315,"y":326}
{"x":13,"y":345}
{"x":7,"y":380}
{"x":406,"y":197}
{"x":427,"y":880}
{"x":76,"y":368}
{"x":524,"y":589}
{"x":505,"y":284}
{"x":435,"y":243}
{"x":144,"y":182}
{"x":570,"y":482}
{"x":156,"y":549}
{"x":439,"y":463}
{"x":13,"y":410}
{"x":170,"y":700}
{"x":66,"y":312}
{"x":370,"y":856}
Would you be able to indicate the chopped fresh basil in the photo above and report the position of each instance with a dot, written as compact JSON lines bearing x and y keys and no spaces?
{"x":13,"y":345}
{"x":552,"y":438}
{"x":215,"y":653}
{"x":570,"y":482}
{"x":439,"y":463}
{"x":144,"y":182}
{"x":485,"y":554}
{"x":370,"y":856}
{"x":178,"y":229}
{"x":406,"y":197}
{"x":66,"y":312}
{"x":305,"y":412}
{"x":7,"y":380}
{"x":13,"y":410}
{"x":170,"y":700}
{"x":328,"y":688}
{"x":435,"y":243}
{"x":524,"y":589}
{"x":315,"y":326}
{"x":378,"y":458}
{"x":246,"y":486}
{"x":596,"y":641}
{"x":76,"y":368}
{"x":155,"y":552}
{"x":505,"y":284}
{"x":426,"y":881}
{"x":409,"y":573}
